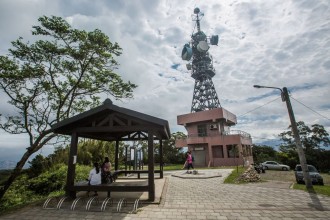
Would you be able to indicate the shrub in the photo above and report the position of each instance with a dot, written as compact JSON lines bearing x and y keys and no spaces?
{"x":48,"y":183}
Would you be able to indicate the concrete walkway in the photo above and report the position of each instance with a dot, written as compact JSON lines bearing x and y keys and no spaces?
{"x":207,"y":198}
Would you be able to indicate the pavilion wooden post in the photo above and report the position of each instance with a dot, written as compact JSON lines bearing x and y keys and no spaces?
{"x":151,"y":175}
{"x":72,"y":165}
{"x":116,"y":155}
{"x":161,"y":162}
{"x":126,"y":159}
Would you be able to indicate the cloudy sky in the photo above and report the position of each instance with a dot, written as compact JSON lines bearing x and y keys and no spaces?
{"x":273,"y":43}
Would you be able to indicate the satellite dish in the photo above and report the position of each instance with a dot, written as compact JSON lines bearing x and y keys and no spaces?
{"x":214,"y":40}
{"x":186,"y":52}
{"x":196,"y":11}
{"x":202,"y":46}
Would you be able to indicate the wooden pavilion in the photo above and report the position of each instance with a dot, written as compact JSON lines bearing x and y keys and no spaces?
{"x":109,"y":122}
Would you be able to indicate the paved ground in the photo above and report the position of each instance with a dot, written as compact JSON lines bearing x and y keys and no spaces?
{"x":207,"y":198}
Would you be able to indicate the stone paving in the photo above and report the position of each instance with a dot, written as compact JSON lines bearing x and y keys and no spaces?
{"x":208,"y":199}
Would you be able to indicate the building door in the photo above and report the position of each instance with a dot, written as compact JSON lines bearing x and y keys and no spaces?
{"x":199,"y":158}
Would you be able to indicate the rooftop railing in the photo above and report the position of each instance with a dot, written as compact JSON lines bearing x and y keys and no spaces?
{"x":232,"y":132}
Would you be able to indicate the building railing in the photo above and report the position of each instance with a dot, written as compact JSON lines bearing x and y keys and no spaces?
{"x":232,"y":132}
{"x":239,"y":132}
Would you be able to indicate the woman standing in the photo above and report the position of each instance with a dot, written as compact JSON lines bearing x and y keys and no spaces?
{"x":189,"y":161}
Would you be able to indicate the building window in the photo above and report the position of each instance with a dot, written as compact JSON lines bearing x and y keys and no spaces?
{"x":202,"y":130}
{"x":232,"y":151}
{"x":217,"y":151}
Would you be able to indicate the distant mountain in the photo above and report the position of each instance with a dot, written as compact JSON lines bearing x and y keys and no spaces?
{"x":7,"y":164}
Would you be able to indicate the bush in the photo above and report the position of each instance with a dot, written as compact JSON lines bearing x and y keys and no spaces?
{"x":55,"y":179}
{"x":48,"y":183}
{"x":18,"y":194}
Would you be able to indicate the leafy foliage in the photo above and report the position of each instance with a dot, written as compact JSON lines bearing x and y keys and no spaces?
{"x":51,"y":180}
{"x":50,"y":183}
{"x":18,"y":194}
{"x":263,"y":153}
{"x":314,"y":140}
{"x":311,"y":138}
{"x":55,"y":179}
{"x":59,"y":75}
{"x":37,"y":165}
{"x":47,"y":175}
{"x":89,"y":151}
{"x":171,"y":154}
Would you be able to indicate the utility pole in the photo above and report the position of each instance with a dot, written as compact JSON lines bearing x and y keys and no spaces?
{"x":302,"y":159}
{"x":300,"y":150}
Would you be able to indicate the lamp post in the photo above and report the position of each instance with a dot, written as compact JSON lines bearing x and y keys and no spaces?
{"x":301,"y":154}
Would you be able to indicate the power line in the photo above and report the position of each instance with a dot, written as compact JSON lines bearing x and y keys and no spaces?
{"x":258,"y":107}
{"x":254,"y":109}
{"x":310,"y":109}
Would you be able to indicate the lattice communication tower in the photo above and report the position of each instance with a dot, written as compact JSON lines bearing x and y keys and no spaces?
{"x":205,"y":96}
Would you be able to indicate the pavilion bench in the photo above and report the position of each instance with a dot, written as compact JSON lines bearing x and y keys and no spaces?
{"x":141,"y":186}
{"x":111,"y":187}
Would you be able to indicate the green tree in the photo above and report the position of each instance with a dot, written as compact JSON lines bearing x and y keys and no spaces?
{"x":172,"y":154}
{"x":61,"y":74}
{"x":60,"y":155}
{"x":37,"y":165}
{"x":90,"y":151}
{"x":262,"y":153}
{"x":314,"y":140}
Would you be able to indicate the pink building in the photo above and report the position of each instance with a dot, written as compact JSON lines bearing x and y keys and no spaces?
{"x":211,"y":140}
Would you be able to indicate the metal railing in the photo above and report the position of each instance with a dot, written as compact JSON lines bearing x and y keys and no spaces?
{"x":239,"y":132}
{"x":213,"y":134}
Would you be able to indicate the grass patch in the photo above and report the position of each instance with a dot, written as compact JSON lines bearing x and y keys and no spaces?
{"x":234,"y":175}
{"x":172,"y":167}
{"x":324,"y":190}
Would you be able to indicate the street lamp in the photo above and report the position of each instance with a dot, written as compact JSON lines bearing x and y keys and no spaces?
{"x":301,"y":154}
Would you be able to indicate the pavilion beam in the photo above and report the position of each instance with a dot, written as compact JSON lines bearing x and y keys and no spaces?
{"x":151,"y":175}
{"x":116,"y":154}
{"x":136,"y":128}
{"x":72,"y":165}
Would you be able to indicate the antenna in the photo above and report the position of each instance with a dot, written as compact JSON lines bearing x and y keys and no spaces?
{"x":201,"y":67}
{"x":196,"y":12}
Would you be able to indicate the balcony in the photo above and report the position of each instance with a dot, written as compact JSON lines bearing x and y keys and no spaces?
{"x":239,"y":132}
{"x":227,"y":137}
{"x":213,"y":134}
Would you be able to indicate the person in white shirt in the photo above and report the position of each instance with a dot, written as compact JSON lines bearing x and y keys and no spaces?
{"x":95,"y":176}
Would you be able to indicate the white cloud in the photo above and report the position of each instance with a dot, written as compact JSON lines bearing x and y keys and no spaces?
{"x":273,"y":43}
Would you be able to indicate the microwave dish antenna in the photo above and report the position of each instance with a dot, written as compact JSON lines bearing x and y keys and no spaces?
{"x":205,"y":96}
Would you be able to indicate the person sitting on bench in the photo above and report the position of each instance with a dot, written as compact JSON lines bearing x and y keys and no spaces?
{"x":106,"y":171}
{"x":94,"y":177}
